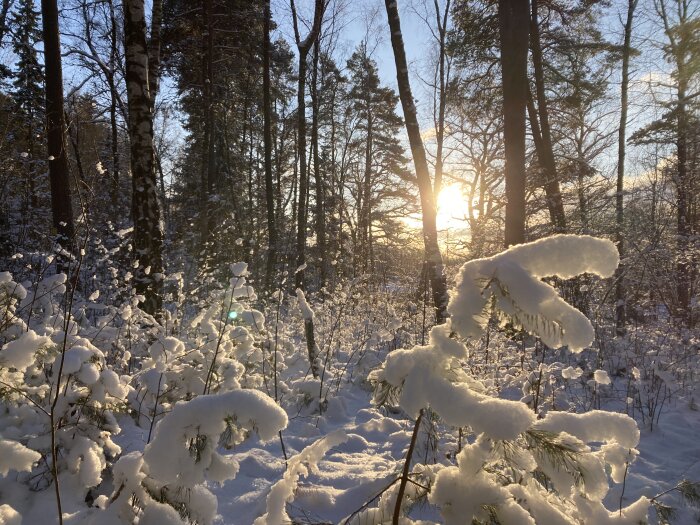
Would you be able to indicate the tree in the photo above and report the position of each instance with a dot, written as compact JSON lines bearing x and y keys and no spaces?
{"x":380,"y":157}
{"x":28,"y":93}
{"x":148,"y":236}
{"x":61,"y":207}
{"x":433,"y":257}
{"x":4,"y":10}
{"x":267,"y":138}
{"x":620,"y":299}
{"x":303,"y":47}
{"x":441,"y":77}
{"x":513,"y":17}
{"x":541,"y":130}
{"x":676,"y":127}
{"x":683,"y":41}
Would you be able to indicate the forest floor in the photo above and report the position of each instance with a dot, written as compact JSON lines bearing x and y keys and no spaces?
{"x":355,"y":472}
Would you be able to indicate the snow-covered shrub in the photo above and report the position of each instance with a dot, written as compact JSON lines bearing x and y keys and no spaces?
{"x":353,"y":329}
{"x":220,"y":353}
{"x":54,"y":385}
{"x":183,"y":454}
{"x":517,"y":469}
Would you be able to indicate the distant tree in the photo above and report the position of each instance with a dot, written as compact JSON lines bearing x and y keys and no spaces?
{"x":620,"y":295}
{"x":538,"y":111}
{"x":4,"y":11}
{"x":268,"y":145}
{"x":676,"y":127}
{"x":381,"y":156}
{"x":28,"y":95}
{"x":682,"y":30}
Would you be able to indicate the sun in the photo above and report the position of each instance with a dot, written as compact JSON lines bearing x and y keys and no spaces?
{"x":452,"y":207}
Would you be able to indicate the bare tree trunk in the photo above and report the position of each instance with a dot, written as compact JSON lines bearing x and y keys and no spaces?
{"x":208,"y":146}
{"x":267,"y":138}
{"x":677,"y":51}
{"x":443,"y":77}
{"x":154,"y":51}
{"x":61,"y":206}
{"x":113,"y":100}
{"x":364,"y":191}
{"x":620,"y":296}
{"x":433,"y":257}
{"x":303,"y":46}
{"x":545,"y":153}
{"x":682,"y":205}
{"x":148,"y":237}
{"x":318,"y":180}
{"x":513,"y":19}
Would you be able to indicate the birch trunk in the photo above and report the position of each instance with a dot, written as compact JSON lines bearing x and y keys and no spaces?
{"x":145,"y":209}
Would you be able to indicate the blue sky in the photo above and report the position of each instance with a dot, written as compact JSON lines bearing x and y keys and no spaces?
{"x":354,"y":18}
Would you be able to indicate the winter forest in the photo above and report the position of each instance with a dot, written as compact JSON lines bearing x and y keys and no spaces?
{"x":355,"y":262}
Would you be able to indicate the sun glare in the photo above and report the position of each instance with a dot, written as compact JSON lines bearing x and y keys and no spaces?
{"x":452,"y":207}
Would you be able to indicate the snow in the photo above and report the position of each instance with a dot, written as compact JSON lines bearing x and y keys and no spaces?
{"x":299,"y":465}
{"x":9,"y":516}
{"x":15,"y":456}
{"x":601,"y":377}
{"x":426,"y":377}
{"x":306,"y":311}
{"x":20,"y":353}
{"x":219,"y":456}
{"x":594,"y":426}
{"x":160,"y":514}
{"x":512,"y":279}
{"x":168,"y":457}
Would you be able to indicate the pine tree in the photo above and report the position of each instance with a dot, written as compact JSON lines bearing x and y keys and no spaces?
{"x":382,"y":156}
{"x":28,"y":92}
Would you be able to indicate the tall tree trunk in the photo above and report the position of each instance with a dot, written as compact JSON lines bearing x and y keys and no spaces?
{"x":513,"y":19}
{"x":154,"y":51}
{"x":365,"y":190}
{"x":113,"y":99}
{"x":318,"y":179}
{"x":678,"y":36}
{"x":620,"y":296}
{"x":145,"y":209}
{"x":545,"y":153}
{"x":303,"y":46}
{"x":267,"y":138}
{"x":442,"y":95}
{"x":433,"y":257}
{"x":682,"y":205}
{"x":208,"y":146}
{"x":61,"y":206}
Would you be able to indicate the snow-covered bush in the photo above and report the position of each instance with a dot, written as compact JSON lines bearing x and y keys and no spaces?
{"x":183,"y":454}
{"x":517,"y":469}
{"x":57,"y":394}
{"x":220,"y":353}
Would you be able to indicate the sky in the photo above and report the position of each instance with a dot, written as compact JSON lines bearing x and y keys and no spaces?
{"x":354,"y":18}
